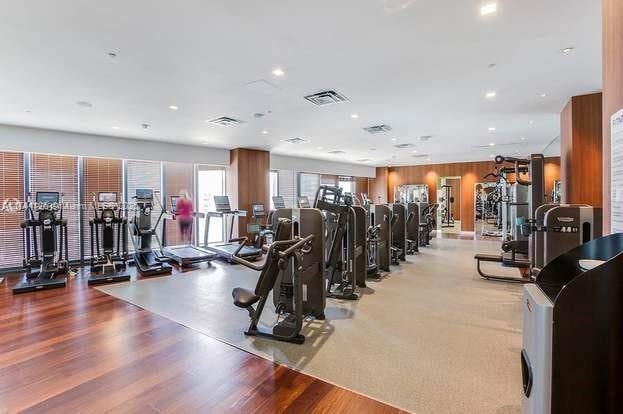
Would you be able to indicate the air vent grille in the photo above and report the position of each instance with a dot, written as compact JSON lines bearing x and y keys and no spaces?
{"x":364,"y":160}
{"x":426,"y":138}
{"x":225,"y":121}
{"x":420,"y":156}
{"x":295,"y":140}
{"x":378,"y":129}
{"x":403,"y":146}
{"x":337,"y":152}
{"x":325,"y":98}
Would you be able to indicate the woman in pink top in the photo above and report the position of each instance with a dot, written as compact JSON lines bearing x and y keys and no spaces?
{"x":184,"y":212}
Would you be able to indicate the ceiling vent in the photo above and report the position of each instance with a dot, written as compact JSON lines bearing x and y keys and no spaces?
{"x":426,"y":138}
{"x":364,"y":160}
{"x":225,"y":121}
{"x":325,"y":98}
{"x":295,"y":140}
{"x":403,"y":146}
{"x":378,"y":129}
{"x":337,"y":152}
{"x":420,"y":156}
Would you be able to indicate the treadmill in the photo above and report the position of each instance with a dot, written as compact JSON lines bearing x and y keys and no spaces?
{"x":226,"y":250}
{"x":184,"y":255}
{"x":303,"y":202}
{"x":278,"y":202}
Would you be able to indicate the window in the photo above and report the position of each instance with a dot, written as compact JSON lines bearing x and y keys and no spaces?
{"x":11,"y":194}
{"x":143,"y":174}
{"x":331,"y":180}
{"x":99,"y":175}
{"x":308,"y":186}
{"x":287,"y":187}
{"x":210,"y":182}
{"x":274,"y":187}
{"x":60,"y":173}
{"x":347,"y":185}
{"x":179,"y":177}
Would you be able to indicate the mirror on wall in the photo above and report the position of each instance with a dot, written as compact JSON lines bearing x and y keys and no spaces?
{"x":449,"y":200}
{"x":487,"y":210}
{"x":411,"y":193}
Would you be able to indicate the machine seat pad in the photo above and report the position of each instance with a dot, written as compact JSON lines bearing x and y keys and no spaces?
{"x":488,"y":258}
{"x":243,"y":298}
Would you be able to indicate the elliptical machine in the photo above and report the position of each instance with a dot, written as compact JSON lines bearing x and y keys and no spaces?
{"x":52,"y":237}
{"x":142,"y":232}
{"x":109,"y":236}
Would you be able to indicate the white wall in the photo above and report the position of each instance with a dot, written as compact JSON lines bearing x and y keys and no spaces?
{"x":282,"y":162}
{"x":15,"y":138}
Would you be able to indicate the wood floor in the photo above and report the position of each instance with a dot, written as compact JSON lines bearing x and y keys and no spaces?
{"x":79,"y":350}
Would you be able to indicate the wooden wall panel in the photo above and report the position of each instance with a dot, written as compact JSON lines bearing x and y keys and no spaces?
{"x":378,"y":185}
{"x":361,"y":185}
{"x":581,"y":150}
{"x":456,"y":194}
{"x":471,"y":173}
{"x":612,"y":14}
{"x":248,"y":181}
{"x":552,"y":173}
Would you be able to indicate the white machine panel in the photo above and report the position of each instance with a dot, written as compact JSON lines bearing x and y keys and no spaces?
{"x":537,"y":350}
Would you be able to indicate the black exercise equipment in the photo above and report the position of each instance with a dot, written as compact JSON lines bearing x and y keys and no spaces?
{"x":382,"y":218}
{"x":109,"y":238}
{"x":50,"y":232}
{"x":278,"y":257}
{"x":147,"y":262}
{"x":225,"y":250}
{"x":447,"y":218}
{"x":412,"y":228}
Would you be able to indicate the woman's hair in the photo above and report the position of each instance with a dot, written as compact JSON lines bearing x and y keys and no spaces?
{"x":184,"y":194}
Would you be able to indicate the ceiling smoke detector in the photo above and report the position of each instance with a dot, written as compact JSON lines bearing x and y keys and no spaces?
{"x":295,"y":140}
{"x":326,"y":98}
{"x":378,"y":129}
{"x":225,"y":121}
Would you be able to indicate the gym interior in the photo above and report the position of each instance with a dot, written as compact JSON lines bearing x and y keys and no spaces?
{"x":373,"y":206}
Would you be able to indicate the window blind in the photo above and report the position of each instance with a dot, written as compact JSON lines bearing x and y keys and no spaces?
{"x":274,"y":187}
{"x":179,"y":177}
{"x":143,"y":174}
{"x":308,"y":186}
{"x":60,"y":173}
{"x":11,"y":192}
{"x":99,"y":175}
{"x":287,"y":187}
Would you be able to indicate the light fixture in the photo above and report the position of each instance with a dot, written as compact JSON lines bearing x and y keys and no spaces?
{"x":173,"y":107}
{"x":205,"y":143}
{"x":115,"y":127}
{"x":523,"y":138}
{"x":488,"y":9}
{"x":354,"y":116}
{"x":427,"y":159}
{"x":414,"y":151}
{"x":393,"y":139}
{"x":264,"y":132}
{"x":567,"y":49}
{"x":492,"y":144}
{"x":491,"y":94}
{"x":491,"y":129}
{"x":543,"y":95}
{"x":320,"y":148}
{"x":278,"y":72}
{"x":531,"y":122}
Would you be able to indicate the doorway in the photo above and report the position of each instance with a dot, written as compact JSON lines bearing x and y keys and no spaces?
{"x":449,"y":200}
{"x":487,"y":211}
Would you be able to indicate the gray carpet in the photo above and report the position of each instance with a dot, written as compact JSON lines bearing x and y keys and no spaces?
{"x":432,"y":337}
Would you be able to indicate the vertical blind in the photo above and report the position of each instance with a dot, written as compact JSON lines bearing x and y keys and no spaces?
{"x":143,"y":174}
{"x":179,"y":177}
{"x":11,"y":193}
{"x":60,"y":173}
{"x":274,"y":187}
{"x":99,"y":175}
{"x":287,"y":187}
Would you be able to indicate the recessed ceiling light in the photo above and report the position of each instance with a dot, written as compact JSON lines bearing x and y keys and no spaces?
{"x":115,"y":127}
{"x":567,"y":49}
{"x":278,"y":72}
{"x":488,"y":9}
{"x":491,"y":94}
{"x":427,"y":159}
{"x":205,"y":143}
{"x":320,"y":148}
{"x":543,"y":95}
{"x":354,"y":116}
{"x":531,"y":122}
{"x":492,"y":129}
{"x":264,"y":132}
{"x":84,"y":104}
{"x":492,"y":144}
{"x":523,"y":138}
{"x":394,"y":139}
{"x":414,"y":151}
{"x":173,"y":107}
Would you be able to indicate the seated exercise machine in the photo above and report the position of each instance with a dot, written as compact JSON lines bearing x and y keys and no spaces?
{"x":293,"y":271}
{"x":398,"y":227}
{"x":50,"y":232}
{"x":573,"y":330}
{"x":428,"y":222}
{"x":447,"y":219}
{"x":361,"y":260}
{"x":341,"y":247}
{"x":225,"y":250}
{"x":382,"y":219}
{"x":261,"y":231}
{"x":184,"y":255}
{"x":371,"y":238}
{"x":412,"y":228}
{"x":147,"y":262}
{"x":109,"y":238}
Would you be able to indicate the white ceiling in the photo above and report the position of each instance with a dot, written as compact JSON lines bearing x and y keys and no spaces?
{"x":420,"y":66}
